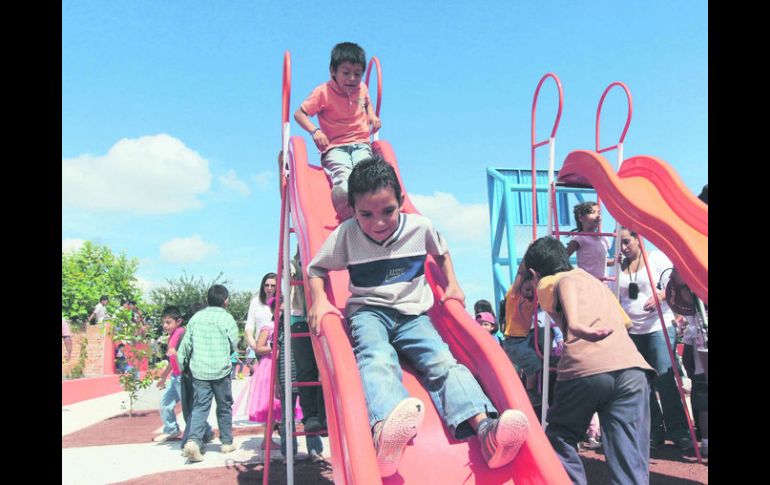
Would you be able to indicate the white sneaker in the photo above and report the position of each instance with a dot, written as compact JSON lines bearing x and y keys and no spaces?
{"x":163,"y":437}
{"x":192,"y":451}
{"x":591,"y":443}
{"x":502,"y":438}
{"x":392,"y":434}
{"x":315,"y":457}
{"x":228,"y":448}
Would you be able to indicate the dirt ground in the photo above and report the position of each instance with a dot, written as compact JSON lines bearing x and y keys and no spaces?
{"x":668,"y":466}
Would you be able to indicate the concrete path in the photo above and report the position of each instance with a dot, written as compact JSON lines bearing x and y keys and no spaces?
{"x":108,"y":464}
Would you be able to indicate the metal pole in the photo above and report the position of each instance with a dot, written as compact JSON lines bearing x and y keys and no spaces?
{"x":288,"y":401}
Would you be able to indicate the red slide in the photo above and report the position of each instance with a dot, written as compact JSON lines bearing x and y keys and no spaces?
{"x":433,"y":456}
{"x":648,"y":196}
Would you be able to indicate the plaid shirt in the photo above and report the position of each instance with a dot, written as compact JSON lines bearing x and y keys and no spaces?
{"x":212,"y":334}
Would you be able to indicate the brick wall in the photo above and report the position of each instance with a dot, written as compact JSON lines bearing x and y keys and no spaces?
{"x":95,"y":361}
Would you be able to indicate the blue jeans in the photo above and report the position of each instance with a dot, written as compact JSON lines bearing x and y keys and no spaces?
{"x":380,"y":335}
{"x":667,"y":416}
{"x":620,"y":397}
{"x":221,"y":391}
{"x":339,"y":162}
{"x":168,"y":403}
{"x":187,"y":396}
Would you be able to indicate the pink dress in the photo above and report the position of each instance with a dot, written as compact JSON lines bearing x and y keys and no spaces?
{"x":259,"y":393}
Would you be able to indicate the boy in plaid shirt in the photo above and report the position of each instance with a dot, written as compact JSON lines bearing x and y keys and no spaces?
{"x":206,"y":347}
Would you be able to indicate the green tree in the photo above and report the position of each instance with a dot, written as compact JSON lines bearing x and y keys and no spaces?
{"x":139,"y":338}
{"x":189,"y":293}
{"x":92,"y":271}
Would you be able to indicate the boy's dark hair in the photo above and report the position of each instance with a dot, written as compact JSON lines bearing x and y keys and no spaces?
{"x":217,"y":295}
{"x":371,"y":175}
{"x":547,"y":256}
{"x":347,"y":52}
{"x":171,"y":311}
{"x":580,"y":210}
{"x":482,"y":306}
{"x":262,"y":294}
{"x":104,"y":297}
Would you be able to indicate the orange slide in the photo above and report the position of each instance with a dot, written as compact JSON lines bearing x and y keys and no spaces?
{"x":648,"y":197}
{"x":433,"y":456}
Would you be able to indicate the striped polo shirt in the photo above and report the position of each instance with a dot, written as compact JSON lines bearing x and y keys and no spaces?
{"x":390,"y":273}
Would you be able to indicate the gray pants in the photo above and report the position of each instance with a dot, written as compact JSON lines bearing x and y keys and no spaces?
{"x":338,"y":163}
{"x":622,"y":400}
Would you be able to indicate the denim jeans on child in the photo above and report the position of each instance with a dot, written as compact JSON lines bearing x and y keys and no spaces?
{"x":186,"y":395}
{"x":378,"y":333}
{"x":621,"y":399}
{"x":653,"y":348}
{"x":219,"y":390}
{"x":339,"y":162}
{"x":168,"y":403}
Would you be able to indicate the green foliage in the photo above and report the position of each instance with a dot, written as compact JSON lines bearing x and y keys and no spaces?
{"x":188,"y":292}
{"x":93,"y":271}
{"x":138,"y":336}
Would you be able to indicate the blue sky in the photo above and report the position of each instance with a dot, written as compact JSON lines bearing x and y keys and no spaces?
{"x":171,"y":112}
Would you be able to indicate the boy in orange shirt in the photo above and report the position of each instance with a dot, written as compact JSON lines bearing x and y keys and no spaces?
{"x":345,"y":114}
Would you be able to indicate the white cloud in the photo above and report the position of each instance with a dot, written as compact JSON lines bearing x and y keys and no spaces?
{"x":457,"y":221}
{"x":145,"y":286}
{"x":186,"y":250}
{"x":148,"y":175}
{"x":263,"y":180}
{"x":231,"y":181}
{"x":71,"y":245}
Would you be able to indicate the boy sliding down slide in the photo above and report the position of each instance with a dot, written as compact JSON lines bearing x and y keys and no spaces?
{"x":384,"y":251}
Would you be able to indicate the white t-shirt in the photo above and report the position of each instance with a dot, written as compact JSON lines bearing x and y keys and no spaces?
{"x":592,"y":254}
{"x":259,"y":316}
{"x":645,"y":322}
{"x":100,"y":312}
{"x":693,"y":336}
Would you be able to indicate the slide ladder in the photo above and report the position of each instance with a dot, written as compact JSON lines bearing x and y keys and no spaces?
{"x":433,"y":456}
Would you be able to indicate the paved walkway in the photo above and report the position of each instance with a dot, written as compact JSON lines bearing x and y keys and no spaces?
{"x":114,"y":463}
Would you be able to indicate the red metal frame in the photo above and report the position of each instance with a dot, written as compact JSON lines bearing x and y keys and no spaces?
{"x":376,"y":62}
{"x":535,"y":144}
{"x":625,"y":128}
{"x":674,"y":363}
{"x":286,"y":89}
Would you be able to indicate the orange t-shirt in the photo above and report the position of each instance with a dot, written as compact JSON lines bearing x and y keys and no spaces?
{"x":518,"y":314}
{"x":342,"y":116}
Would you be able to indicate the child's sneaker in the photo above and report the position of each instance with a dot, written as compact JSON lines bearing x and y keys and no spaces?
{"x":315,"y":457}
{"x":192,"y":451}
{"x":163,"y":437}
{"x":227,"y":448}
{"x":392,"y":434}
{"x":501,"y":438}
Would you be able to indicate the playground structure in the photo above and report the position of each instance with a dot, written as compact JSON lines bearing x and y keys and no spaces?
{"x":645,"y":195}
{"x":307,"y":212}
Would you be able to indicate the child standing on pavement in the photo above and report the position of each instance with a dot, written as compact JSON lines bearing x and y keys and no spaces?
{"x":171,"y":319}
{"x":345,"y":115}
{"x":211,"y":336}
{"x":384,"y":251}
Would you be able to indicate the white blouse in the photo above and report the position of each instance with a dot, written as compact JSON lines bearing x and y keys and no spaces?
{"x":645,"y":322}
